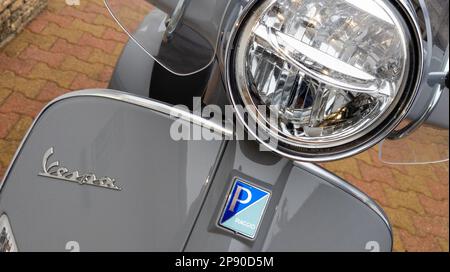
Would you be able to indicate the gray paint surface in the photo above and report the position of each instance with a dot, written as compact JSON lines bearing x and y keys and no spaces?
{"x":133,"y":71}
{"x":164,"y":184}
{"x":163,"y":181}
{"x":305,"y":212}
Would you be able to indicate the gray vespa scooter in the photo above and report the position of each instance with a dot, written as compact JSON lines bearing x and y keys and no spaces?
{"x":124,"y":169}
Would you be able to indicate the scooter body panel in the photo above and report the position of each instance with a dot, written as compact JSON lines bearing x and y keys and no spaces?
{"x":168,"y":193}
{"x":162,"y":182}
{"x":309,"y":209}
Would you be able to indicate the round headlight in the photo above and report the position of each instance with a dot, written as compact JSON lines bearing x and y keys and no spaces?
{"x":338,"y":75}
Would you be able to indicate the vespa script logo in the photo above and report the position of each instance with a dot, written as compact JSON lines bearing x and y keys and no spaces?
{"x":54,"y":170}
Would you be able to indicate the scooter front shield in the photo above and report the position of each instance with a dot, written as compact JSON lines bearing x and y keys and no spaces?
{"x":99,"y":171}
{"x":102,"y":170}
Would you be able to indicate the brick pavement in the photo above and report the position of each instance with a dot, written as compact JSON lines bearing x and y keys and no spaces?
{"x":68,"y":48}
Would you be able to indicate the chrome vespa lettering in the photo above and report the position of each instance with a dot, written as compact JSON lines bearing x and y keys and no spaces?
{"x":54,"y":170}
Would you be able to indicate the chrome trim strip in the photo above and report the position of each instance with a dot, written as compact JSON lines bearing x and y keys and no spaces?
{"x":322,"y":173}
{"x":127,"y":98}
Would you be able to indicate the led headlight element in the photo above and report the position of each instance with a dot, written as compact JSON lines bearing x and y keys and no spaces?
{"x":332,"y":71}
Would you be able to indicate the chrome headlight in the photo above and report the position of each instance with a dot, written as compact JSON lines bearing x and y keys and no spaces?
{"x":337,"y":74}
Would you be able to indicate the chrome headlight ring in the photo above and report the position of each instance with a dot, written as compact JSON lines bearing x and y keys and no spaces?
{"x":318,"y":147}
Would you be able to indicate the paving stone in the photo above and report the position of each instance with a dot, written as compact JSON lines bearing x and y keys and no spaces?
{"x":443,"y":242}
{"x":435,"y":207}
{"x":99,"y":56}
{"x":106,"y":74}
{"x":382,"y":174}
{"x":62,"y":78}
{"x":408,"y":200}
{"x":401,"y":218}
{"x":50,"y":58}
{"x":423,"y":171}
{"x":365,"y":157}
{"x":89,"y":40}
{"x":7,"y":151}
{"x":76,"y":12}
{"x":8,"y":121}
{"x":397,"y":243}
{"x":64,"y":47}
{"x":2,"y":172}
{"x":50,"y":91}
{"x":105,"y":20}
{"x":39,"y":39}
{"x":84,"y":82}
{"x":439,"y":191}
{"x":14,"y":47}
{"x":118,"y":50}
{"x":441,"y":172}
{"x":100,"y":10}
{"x":20,"y":128}
{"x":96,"y":30}
{"x":111,"y":34}
{"x":37,"y":25}
{"x":417,"y":243}
{"x":4,"y":93}
{"x":71,"y":35}
{"x":16,"y":65}
{"x":431,"y":225}
{"x":60,"y":20}
{"x":412,"y":182}
{"x":18,"y":103}
{"x":93,"y":70}
{"x":28,"y":87}
{"x":56,"y":6}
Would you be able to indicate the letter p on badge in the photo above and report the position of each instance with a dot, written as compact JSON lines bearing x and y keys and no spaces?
{"x":244,"y":208}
